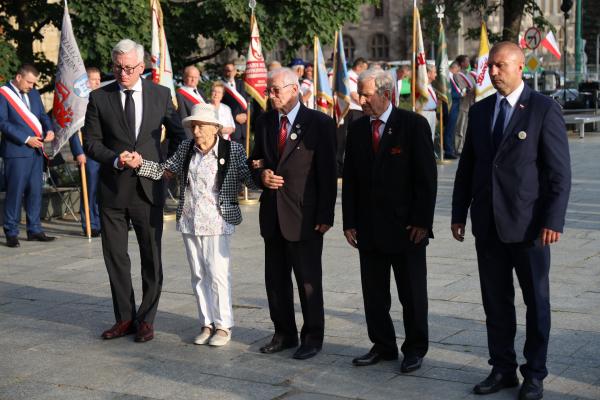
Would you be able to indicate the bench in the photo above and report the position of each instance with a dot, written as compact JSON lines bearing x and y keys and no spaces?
{"x":580,"y":120}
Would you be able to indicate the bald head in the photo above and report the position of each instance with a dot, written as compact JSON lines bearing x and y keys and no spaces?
{"x":509,"y":48}
{"x":191,"y":76}
{"x":506,"y":63}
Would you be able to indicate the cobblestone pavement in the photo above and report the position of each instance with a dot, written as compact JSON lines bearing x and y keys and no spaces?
{"x":55,"y":301}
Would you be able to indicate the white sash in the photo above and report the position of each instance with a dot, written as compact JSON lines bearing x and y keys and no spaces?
{"x":192,"y":96}
{"x":21,"y":108}
{"x":236,"y":96}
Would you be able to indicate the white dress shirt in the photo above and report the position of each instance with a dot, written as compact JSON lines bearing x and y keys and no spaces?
{"x":383,"y":117}
{"x":291,"y":117}
{"x":512,"y":101}
{"x":137,"y":100}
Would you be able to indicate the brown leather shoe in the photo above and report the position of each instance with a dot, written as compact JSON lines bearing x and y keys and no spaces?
{"x":144,"y":333}
{"x":119,"y":329}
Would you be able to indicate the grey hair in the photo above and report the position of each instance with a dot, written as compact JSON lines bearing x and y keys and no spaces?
{"x":127,"y":45}
{"x":289,"y":76}
{"x":430,"y":67}
{"x":383,"y":79}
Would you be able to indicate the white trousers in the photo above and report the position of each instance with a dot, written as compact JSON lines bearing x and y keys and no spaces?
{"x":210,"y":266}
{"x":431,"y":117}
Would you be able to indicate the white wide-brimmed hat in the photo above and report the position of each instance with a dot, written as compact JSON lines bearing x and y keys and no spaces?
{"x":202,"y":113}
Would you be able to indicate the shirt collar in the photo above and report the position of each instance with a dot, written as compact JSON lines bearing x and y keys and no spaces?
{"x":214,"y":150}
{"x":513,"y":97}
{"x":14,"y":87}
{"x":291,"y":116}
{"x":136,"y":88}
{"x":386,"y":114}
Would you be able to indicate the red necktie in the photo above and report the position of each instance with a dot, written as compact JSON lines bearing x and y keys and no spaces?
{"x":283,"y":131}
{"x":375,"y":124}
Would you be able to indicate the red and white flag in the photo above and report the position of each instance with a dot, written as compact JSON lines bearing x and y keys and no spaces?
{"x":550,"y":43}
{"x":421,"y":81}
{"x":255,"y":77}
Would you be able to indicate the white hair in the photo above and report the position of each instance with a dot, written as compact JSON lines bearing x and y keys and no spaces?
{"x":383,"y":79}
{"x":127,"y":45}
{"x":430,"y":67}
{"x":289,"y":76}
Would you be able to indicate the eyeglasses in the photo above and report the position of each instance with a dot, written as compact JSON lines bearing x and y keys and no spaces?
{"x":128,"y":70}
{"x":276,"y":89}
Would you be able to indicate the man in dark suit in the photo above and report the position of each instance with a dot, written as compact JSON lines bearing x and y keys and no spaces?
{"x":388,"y":200}
{"x":188,"y":95}
{"x":92,"y":168}
{"x":235,"y":97}
{"x":123,"y":117}
{"x":25,"y":128}
{"x":515,"y":176}
{"x":297,"y":149}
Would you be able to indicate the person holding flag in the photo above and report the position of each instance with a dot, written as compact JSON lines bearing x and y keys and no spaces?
{"x":188,"y":95}
{"x":25,"y":128}
{"x":235,"y":97}
{"x":429,"y":110}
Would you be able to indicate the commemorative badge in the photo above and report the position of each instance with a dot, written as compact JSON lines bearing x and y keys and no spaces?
{"x":222,"y":161}
{"x":293,"y":136}
{"x":522,"y":135}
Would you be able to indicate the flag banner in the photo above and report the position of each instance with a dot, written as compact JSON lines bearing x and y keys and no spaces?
{"x":421,"y":81}
{"x":255,"y":77}
{"x":162,"y":70}
{"x":550,"y":43}
{"x":71,"y":90}
{"x":441,"y":64}
{"x":324,"y":93}
{"x":342,"y":88}
{"x":483,"y":83}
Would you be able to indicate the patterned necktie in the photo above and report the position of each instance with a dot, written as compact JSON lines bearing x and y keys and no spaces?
{"x":283,"y":131}
{"x":498,"y":131}
{"x":375,"y":124}
{"x":130,"y":112}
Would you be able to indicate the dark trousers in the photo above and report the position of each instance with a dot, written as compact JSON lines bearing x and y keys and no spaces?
{"x":92,"y":171}
{"x":532,"y":266}
{"x":23,"y":177}
{"x":147,"y":221}
{"x":304,"y":259}
{"x":450,"y":127}
{"x":410,"y":271}
{"x":341,"y":133}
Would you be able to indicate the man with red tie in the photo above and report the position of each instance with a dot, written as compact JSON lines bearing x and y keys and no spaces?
{"x":388,"y":199}
{"x":25,"y":127}
{"x":298,"y":175}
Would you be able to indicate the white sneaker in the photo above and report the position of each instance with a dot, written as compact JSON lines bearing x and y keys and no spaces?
{"x":204,"y":337}
{"x":218,"y":340}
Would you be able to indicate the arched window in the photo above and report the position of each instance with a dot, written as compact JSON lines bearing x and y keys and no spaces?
{"x":378,"y":9}
{"x":349,"y":48}
{"x":380,"y":47}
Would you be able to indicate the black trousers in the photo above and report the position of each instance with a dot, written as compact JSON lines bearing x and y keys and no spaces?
{"x":341,"y":134}
{"x":410,"y":271}
{"x":531,"y":263}
{"x":147,"y":221}
{"x":304,"y":259}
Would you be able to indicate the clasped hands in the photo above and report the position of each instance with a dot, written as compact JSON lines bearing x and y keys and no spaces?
{"x":37,"y":142}
{"x":130,"y":160}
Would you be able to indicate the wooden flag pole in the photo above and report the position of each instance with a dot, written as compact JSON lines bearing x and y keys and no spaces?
{"x":414,"y":59}
{"x":441,"y":161}
{"x":86,"y":203}
{"x":315,"y":72}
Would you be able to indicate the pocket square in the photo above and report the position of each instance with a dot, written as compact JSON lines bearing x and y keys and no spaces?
{"x":395,"y":151}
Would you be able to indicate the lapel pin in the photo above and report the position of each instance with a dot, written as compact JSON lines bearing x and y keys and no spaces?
{"x":293,"y":136}
{"x":390,"y":131}
{"x":297,"y":126}
{"x":521,"y":106}
{"x":522,"y":135}
{"x":222,"y":161}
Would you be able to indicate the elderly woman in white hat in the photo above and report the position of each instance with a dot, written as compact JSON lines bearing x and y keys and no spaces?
{"x":210,"y":171}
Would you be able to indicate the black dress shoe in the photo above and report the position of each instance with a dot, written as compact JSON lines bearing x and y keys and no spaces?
{"x":450,"y":157}
{"x":305,"y":352}
{"x":95,"y":232}
{"x":40,"y":237}
{"x":276,"y":345}
{"x":532,"y":389}
{"x":12,"y":241}
{"x":495,"y":382}
{"x":372,"y":357}
{"x":410,"y":364}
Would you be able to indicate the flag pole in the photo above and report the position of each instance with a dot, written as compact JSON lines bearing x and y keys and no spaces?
{"x":86,"y":203}
{"x":335,"y":48}
{"x":414,"y":58}
{"x":315,"y":72}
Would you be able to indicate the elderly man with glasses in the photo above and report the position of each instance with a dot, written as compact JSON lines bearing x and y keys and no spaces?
{"x":123,"y":117}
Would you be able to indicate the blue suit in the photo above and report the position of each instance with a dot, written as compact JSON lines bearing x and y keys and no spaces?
{"x":92,"y":170}
{"x":23,"y":165}
{"x":514,"y":192}
{"x":452,"y":118}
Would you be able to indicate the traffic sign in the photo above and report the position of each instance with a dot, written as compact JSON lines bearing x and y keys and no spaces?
{"x":533,"y":38}
{"x":532,"y":63}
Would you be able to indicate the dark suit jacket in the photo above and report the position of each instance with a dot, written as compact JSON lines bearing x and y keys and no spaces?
{"x":184,"y":108}
{"x":308,"y":168}
{"x":525,"y":184}
{"x":106,"y":136}
{"x":14,"y":129}
{"x":383,"y":193}
{"x":239,"y":135}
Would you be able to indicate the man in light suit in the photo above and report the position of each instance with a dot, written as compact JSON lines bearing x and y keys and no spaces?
{"x":515,"y":176}
{"x":92,"y":168}
{"x":298,"y":174}
{"x":25,"y":127}
{"x":388,"y":199}
{"x":123,"y":117}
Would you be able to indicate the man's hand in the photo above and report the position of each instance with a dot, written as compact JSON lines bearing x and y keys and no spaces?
{"x":81,"y":159}
{"x":351,"y":237}
{"x":458,"y":231}
{"x":167,"y":174}
{"x":270,"y":180}
{"x":416,"y":234}
{"x":49,"y":136}
{"x":322,"y":228}
{"x":135,"y":161}
{"x":241,"y":118}
{"x":34,"y":142}
{"x":548,"y":236}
